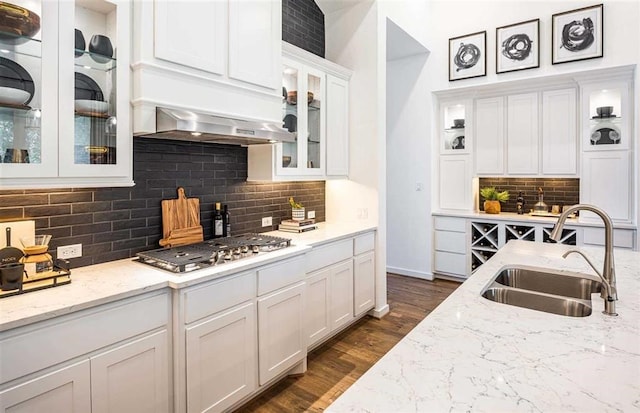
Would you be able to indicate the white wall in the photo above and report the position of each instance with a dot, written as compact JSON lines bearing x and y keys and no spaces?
{"x":447,"y":19}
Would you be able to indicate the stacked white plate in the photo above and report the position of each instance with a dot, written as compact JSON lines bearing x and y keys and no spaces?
{"x":13,"y":96}
{"x":91,"y":106}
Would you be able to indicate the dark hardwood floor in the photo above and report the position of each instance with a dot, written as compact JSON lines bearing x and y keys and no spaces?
{"x":339,"y":362}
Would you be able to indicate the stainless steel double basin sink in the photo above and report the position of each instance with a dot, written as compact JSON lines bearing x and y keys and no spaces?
{"x":543,"y":289}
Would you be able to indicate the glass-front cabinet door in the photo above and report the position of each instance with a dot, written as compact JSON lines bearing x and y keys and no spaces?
{"x":94,"y":108}
{"x":303,"y":114}
{"x":454,"y":139}
{"x":606,"y":116}
{"x":64,"y":93}
{"x":28,"y":81}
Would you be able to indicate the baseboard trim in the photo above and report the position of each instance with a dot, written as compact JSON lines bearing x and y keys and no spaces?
{"x":379,"y":312}
{"x":411,"y":273}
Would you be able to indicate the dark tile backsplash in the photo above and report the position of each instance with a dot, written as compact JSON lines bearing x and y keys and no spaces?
{"x":115,"y":223}
{"x":303,"y":25}
{"x":557,"y":191}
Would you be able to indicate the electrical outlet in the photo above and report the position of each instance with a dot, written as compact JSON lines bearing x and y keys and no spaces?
{"x":70,"y":251}
{"x":267,"y":221}
{"x":311,"y":214}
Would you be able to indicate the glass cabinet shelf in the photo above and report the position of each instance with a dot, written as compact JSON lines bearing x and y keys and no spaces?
{"x":94,"y":61}
{"x":22,"y":46}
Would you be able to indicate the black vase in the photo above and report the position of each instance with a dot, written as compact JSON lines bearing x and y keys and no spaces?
{"x":100,"y":48}
{"x":80,"y":44}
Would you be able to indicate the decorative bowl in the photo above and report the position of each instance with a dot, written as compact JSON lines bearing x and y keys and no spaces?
{"x":37,"y":244}
{"x":79,"y":43}
{"x":458,"y":123}
{"x":91,"y":106}
{"x":292,"y":97}
{"x":604,"y":111}
{"x":13,"y":155}
{"x":100,"y":48}
{"x":286,"y":161}
{"x":16,"y":21}
{"x":13,"y":96}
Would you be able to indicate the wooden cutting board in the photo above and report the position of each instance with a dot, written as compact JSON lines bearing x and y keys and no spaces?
{"x":181,"y":221}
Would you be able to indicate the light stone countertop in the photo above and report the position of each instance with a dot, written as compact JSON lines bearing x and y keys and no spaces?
{"x":103,"y":283}
{"x":512,"y":216}
{"x":472,"y":354}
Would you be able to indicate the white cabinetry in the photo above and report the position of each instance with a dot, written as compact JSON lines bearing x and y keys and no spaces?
{"x":608,"y":179}
{"x":527,"y":134}
{"x":114,"y":358}
{"x":132,"y":378}
{"x":455,"y":186}
{"x":559,"y":132}
{"x":64,"y":390}
{"x":318,"y":322}
{"x":522,"y":134}
{"x":221,"y":57}
{"x":450,"y":246}
{"x":341,"y":294}
{"x":281,"y":331}
{"x":316,"y":102}
{"x":364,"y":269}
{"x":75,"y":128}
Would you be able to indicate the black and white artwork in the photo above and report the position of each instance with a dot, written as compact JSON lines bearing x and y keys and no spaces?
{"x":518,"y":46}
{"x":468,"y":56}
{"x":577,"y":34}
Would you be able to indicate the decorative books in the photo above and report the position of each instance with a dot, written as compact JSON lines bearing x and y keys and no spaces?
{"x":296,"y":224}
{"x":298,"y":229}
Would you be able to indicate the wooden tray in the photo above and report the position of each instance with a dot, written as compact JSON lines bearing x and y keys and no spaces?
{"x":41,"y":281}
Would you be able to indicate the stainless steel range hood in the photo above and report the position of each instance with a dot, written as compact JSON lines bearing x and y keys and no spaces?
{"x":191,"y":126}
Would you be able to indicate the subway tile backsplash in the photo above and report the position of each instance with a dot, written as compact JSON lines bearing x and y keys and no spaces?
{"x":115,"y":223}
{"x":557,"y":191}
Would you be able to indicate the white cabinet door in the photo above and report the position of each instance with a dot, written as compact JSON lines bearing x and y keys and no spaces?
{"x":455,"y":182}
{"x":606,"y":182}
{"x":489,"y":137}
{"x":318,"y":324}
{"x":522,"y":134}
{"x":133,"y":377}
{"x":192,"y":33}
{"x":281,"y":331}
{"x":221,"y":359}
{"x":341,"y":294}
{"x":559,"y":132}
{"x":337,"y":126}
{"x":364,"y":291}
{"x":255,"y":47}
{"x":64,"y":390}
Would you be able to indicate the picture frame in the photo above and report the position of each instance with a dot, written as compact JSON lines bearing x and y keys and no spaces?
{"x":468,"y":56}
{"x":577,"y":34}
{"x":518,"y":46}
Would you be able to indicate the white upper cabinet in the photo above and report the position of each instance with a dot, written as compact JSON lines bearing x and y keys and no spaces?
{"x":489,"y":154}
{"x":314,"y":103}
{"x":522,"y":134}
{"x":219,"y":57}
{"x":559,"y":132}
{"x":73,"y":126}
{"x":206,"y":50}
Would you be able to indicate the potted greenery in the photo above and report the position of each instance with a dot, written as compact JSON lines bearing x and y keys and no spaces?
{"x":492,"y":199}
{"x":297,"y":210}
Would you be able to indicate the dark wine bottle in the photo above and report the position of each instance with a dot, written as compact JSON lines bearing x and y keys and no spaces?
{"x":218,"y":227}
{"x":226,"y":222}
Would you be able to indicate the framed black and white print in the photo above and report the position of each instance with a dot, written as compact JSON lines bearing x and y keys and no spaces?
{"x":577,"y":34}
{"x":468,"y":56}
{"x":518,"y":46}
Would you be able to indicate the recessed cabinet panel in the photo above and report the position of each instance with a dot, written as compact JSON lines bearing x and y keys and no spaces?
{"x":175,"y":20}
{"x":605,"y":182}
{"x":522,"y":134}
{"x":254,"y":41}
{"x":337,"y":126}
{"x":559,"y":132}
{"x":455,"y":182}
{"x":489,"y":120}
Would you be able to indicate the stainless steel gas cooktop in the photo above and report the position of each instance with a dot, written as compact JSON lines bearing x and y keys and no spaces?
{"x":213,"y":252}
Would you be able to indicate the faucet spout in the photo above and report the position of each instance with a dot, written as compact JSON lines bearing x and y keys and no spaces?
{"x":609,"y":293}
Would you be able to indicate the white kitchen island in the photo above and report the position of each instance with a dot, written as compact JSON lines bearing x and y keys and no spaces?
{"x":472,"y":354}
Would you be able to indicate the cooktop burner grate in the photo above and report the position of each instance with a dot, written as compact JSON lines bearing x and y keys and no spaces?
{"x":212,"y":252}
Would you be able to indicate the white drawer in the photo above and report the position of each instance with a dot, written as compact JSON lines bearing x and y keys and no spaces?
{"x":622,"y":238}
{"x":40,"y":345}
{"x":326,"y":255}
{"x":210,"y":298}
{"x":451,"y":241}
{"x":280,"y":275}
{"x":450,"y":224}
{"x":364,"y":243}
{"x":451,"y":263}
